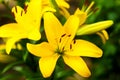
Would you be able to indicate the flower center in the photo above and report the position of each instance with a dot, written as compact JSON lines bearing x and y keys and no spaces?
{"x":63,"y":41}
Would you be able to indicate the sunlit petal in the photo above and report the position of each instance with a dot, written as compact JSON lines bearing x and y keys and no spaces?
{"x":47,"y":64}
{"x":84,"y":48}
{"x":77,"y":64}
{"x":93,"y":28}
{"x":41,"y":50}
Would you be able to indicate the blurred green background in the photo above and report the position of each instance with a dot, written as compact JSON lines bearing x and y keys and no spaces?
{"x":105,"y":68}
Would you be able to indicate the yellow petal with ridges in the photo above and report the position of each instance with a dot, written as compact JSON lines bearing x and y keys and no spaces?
{"x":41,"y":50}
{"x":93,"y":28}
{"x":47,"y":65}
{"x":77,"y":64}
{"x":84,"y":48}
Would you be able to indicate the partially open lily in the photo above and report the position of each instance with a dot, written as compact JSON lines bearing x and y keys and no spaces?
{"x":98,"y":27}
{"x":61,"y":42}
{"x":27,"y":26}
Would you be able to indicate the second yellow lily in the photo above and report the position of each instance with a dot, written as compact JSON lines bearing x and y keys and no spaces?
{"x":61,"y":42}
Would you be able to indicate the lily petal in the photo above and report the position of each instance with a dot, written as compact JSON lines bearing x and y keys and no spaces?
{"x":10,"y":43}
{"x":81,"y":15}
{"x":10,"y":30}
{"x":93,"y":28}
{"x":33,"y":13}
{"x":65,"y":12}
{"x":77,"y":64}
{"x":84,"y":48}
{"x":62,"y":3}
{"x":71,"y":26}
{"x":47,"y":64}
{"x":35,"y":35}
{"x":41,"y":50}
{"x":53,"y":28}
{"x":22,"y":19}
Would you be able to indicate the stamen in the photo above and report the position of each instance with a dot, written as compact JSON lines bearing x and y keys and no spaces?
{"x":21,"y":12}
{"x":87,"y":10}
{"x":15,"y":9}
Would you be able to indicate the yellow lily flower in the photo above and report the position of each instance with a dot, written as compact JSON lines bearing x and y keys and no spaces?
{"x":27,"y":26}
{"x":61,"y":42}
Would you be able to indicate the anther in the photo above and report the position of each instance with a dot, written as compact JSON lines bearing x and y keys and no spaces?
{"x":25,"y":8}
{"x":74,"y":41}
{"x":63,"y":35}
{"x":15,"y":9}
{"x":60,"y":40}
{"x":69,"y":35}
{"x":21,"y":13}
{"x":70,"y":46}
{"x":63,"y":48}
